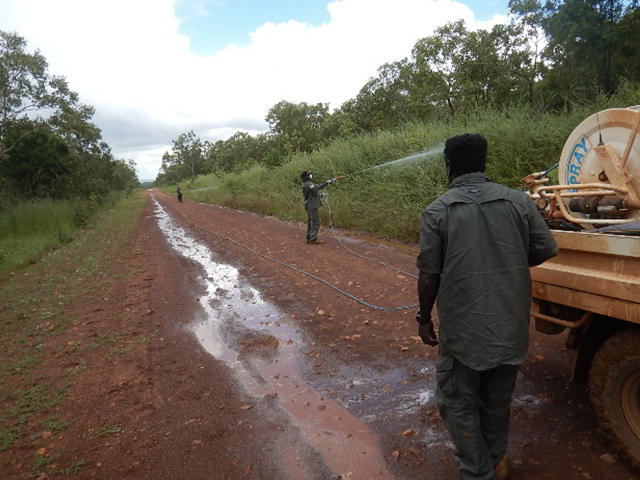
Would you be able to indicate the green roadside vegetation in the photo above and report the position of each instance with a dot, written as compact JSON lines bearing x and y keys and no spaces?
{"x":38,"y":303}
{"x":525,"y":84}
{"x":68,"y":209}
{"x":27,"y":230}
{"x":387,"y":201}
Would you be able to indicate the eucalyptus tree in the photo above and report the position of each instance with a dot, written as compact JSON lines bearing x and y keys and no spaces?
{"x":384,"y":101}
{"x":458,"y":69}
{"x":28,"y":93}
{"x":92,"y":163}
{"x":124,"y":175}
{"x":40,"y":110}
{"x":435,"y":71}
{"x":583,"y":49}
{"x":297,"y":127}
{"x":186,"y":159}
{"x":349,"y":119}
{"x":526,"y":42}
{"x":236,"y":153}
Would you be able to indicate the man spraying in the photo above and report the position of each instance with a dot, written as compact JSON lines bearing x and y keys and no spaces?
{"x":477,"y":242}
{"x":312,"y":203}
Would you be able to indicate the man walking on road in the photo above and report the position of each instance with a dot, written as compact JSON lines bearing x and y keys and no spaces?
{"x":312,"y":202}
{"x":477,"y":242}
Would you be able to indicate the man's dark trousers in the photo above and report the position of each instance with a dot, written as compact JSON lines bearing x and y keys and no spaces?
{"x":313,"y":225}
{"x":475,"y":406}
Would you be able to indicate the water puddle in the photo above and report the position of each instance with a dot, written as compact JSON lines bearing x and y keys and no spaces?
{"x":248,"y":333}
{"x":240,"y":328}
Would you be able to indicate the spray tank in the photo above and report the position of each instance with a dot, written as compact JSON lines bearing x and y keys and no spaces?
{"x":598,"y":175}
{"x":592,"y":287}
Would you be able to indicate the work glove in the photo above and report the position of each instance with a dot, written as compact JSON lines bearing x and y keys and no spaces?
{"x":426,"y":331}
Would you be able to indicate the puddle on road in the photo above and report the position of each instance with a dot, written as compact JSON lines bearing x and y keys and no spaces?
{"x":267,"y":362}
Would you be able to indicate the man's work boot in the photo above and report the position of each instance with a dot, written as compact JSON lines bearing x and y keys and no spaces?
{"x":504,"y":468}
{"x":316,"y":242}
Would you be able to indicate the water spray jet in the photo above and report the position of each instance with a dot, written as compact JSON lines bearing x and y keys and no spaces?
{"x":428,"y":155}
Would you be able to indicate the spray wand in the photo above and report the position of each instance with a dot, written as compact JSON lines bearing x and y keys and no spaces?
{"x":548,"y":170}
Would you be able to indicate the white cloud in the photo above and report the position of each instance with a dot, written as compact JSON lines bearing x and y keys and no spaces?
{"x":128,"y":59}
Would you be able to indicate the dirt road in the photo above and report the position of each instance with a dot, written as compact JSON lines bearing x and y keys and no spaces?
{"x":264,"y":358}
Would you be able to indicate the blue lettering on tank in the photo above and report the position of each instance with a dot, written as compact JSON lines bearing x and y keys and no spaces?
{"x":578,"y":152}
{"x":575,"y":169}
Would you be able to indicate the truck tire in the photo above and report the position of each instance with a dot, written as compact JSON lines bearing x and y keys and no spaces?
{"x":614,"y":390}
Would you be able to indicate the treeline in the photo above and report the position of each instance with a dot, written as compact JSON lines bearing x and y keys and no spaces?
{"x":551,"y":58}
{"x":49,"y":149}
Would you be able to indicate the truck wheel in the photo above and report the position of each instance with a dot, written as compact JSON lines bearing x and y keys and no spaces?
{"x":614,"y":384}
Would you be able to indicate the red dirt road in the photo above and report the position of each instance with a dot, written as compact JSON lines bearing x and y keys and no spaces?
{"x":297,"y":380}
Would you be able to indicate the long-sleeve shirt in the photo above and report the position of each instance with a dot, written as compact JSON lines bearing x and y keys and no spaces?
{"x":482,"y":237}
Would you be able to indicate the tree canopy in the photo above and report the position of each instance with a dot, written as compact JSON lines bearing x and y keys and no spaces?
{"x":49,"y":148}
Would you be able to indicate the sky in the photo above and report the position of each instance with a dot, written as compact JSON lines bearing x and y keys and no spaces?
{"x":154,"y":69}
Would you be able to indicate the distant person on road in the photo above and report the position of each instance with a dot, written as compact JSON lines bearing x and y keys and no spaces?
{"x":312,"y":203}
{"x":179,"y":190}
{"x":477,"y":242}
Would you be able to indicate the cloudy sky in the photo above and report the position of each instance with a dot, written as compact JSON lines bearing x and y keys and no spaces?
{"x":154,"y":69}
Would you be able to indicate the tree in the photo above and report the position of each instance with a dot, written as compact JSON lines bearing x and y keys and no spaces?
{"x":40,"y":110}
{"x":298,"y":127}
{"x":434,"y":72}
{"x":457,"y":69}
{"x":26,"y":88}
{"x":124,"y":176}
{"x":36,"y":165}
{"x":584,"y":51}
{"x":519,"y":46}
{"x":234,"y":154}
{"x":628,"y":41}
{"x":186,"y":160}
{"x":384,"y":102}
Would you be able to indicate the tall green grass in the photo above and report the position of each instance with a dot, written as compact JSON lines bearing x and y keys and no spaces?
{"x":27,"y":230}
{"x":387,"y":201}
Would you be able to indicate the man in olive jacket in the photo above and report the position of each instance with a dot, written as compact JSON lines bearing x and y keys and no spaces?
{"x":477,"y":242}
{"x":312,"y":202}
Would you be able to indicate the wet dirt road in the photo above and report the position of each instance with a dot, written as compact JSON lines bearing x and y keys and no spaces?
{"x":352,"y":384}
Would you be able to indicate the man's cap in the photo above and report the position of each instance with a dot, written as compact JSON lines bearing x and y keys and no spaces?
{"x":305,"y":174}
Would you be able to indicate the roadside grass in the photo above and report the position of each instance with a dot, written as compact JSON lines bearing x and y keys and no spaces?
{"x":108,"y":430}
{"x":36,"y":307}
{"x":55,"y":425}
{"x":31,"y":401}
{"x":387,"y":201}
{"x":112,"y":338}
{"x":28,"y":230}
{"x":74,"y":467}
{"x":363,"y":201}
